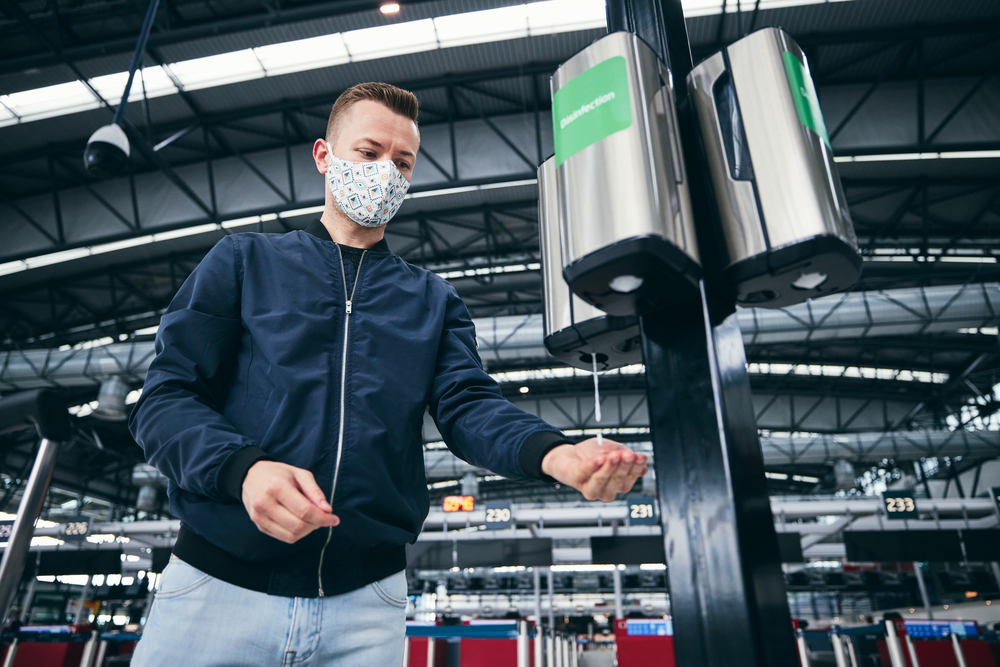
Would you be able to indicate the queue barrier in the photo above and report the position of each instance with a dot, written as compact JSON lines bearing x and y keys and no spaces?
{"x":63,"y":646}
{"x":901,"y":643}
{"x":956,"y":645}
{"x":486,"y":644}
{"x":644,"y":642}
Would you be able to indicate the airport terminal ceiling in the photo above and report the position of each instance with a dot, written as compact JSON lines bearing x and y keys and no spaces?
{"x":909,"y":91}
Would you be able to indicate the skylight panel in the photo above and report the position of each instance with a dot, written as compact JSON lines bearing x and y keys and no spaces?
{"x":111,"y":86}
{"x":48,"y":101}
{"x":490,"y":25}
{"x":217,"y":70}
{"x":303,"y":54}
{"x":385,"y":41}
{"x":546,"y":18}
{"x":533,"y":18}
{"x":6,"y":117}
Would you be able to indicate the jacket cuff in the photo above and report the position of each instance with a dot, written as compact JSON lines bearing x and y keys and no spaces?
{"x":534,"y":449}
{"x":234,"y":470}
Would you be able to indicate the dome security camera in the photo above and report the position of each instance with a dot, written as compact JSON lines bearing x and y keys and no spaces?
{"x":107,"y":152}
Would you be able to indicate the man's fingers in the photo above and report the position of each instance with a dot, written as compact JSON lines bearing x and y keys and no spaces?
{"x":621,"y":473}
{"x":276,"y":531}
{"x":311,"y":489}
{"x":595,"y":487}
{"x":586,"y":469}
{"x":299,"y":506}
{"x":630,"y":472}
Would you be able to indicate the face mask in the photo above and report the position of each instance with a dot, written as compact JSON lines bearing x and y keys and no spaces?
{"x":369,"y":193}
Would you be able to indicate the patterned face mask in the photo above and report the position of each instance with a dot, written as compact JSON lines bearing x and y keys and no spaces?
{"x":368,"y":192}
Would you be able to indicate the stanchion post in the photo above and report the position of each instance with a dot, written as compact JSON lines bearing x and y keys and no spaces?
{"x":803,"y":648}
{"x":549,"y":579}
{"x":406,"y":652}
{"x":523,"y":652}
{"x":851,"y":653}
{"x":956,"y":644}
{"x":81,"y":608}
{"x":45,"y":409}
{"x":839,"y":653}
{"x":430,"y":652}
{"x":102,"y":651}
{"x":914,"y":661}
{"x":29,"y":595}
{"x":8,"y":660}
{"x":922,"y":585}
{"x":24,"y":524}
{"x":536,"y":576}
{"x":892,"y":641}
{"x":616,"y":577}
{"x":727,"y":589}
{"x":89,"y":650}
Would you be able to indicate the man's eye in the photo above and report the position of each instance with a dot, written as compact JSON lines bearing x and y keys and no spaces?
{"x":403,"y":165}
{"x":368,"y":153}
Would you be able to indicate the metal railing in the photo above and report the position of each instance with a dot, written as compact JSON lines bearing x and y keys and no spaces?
{"x":44,"y":409}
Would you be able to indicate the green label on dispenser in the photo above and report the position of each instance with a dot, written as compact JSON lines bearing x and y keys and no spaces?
{"x":592,"y":106}
{"x":804,"y":94}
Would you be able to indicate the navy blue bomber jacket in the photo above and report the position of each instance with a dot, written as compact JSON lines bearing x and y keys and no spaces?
{"x":280,"y":347}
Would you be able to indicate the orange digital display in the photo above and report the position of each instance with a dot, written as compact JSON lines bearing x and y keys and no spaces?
{"x":459,"y":503}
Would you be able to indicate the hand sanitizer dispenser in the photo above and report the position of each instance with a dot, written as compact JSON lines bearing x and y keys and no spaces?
{"x":628,"y":241}
{"x":787,"y":232}
{"x":575,"y":331}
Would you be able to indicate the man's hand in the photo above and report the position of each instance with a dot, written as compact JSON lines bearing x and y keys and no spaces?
{"x":599,"y":472}
{"x":285,"y":502}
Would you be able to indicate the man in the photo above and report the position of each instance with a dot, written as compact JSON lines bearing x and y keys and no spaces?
{"x":286,"y":402}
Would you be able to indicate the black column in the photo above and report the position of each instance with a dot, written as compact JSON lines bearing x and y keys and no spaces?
{"x":727,"y":591}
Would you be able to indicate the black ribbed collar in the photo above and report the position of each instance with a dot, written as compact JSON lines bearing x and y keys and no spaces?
{"x":318,"y":229}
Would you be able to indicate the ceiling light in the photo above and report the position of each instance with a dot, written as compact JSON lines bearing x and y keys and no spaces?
{"x":389,"y":8}
{"x":523,"y":390}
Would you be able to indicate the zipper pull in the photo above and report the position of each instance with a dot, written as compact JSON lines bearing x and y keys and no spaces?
{"x":348,"y":307}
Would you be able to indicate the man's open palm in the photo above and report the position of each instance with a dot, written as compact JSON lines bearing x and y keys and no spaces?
{"x":599,"y":472}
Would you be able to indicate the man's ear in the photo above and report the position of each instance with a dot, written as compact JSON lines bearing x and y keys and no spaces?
{"x":321,"y":155}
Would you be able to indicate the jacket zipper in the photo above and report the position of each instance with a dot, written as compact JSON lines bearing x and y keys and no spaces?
{"x":343,"y":383}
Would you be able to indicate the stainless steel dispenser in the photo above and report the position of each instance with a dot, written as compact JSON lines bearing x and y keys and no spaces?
{"x":787,"y":231}
{"x":575,"y":331}
{"x":628,"y":241}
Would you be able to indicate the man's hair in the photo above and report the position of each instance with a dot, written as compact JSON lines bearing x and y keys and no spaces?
{"x":401,"y":101}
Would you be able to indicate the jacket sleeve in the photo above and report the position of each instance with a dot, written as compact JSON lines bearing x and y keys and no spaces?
{"x":477,"y":423}
{"x":177,"y":420}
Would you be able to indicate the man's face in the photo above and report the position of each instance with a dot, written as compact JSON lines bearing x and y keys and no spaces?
{"x":371,"y":132}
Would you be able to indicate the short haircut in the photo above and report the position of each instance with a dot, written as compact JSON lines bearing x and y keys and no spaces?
{"x":396,"y":99}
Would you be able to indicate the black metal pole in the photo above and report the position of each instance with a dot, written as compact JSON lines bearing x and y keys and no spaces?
{"x":727,"y":591}
{"x":147,"y":24}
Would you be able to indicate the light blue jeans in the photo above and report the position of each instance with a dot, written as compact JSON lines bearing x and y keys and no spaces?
{"x":200,"y":621}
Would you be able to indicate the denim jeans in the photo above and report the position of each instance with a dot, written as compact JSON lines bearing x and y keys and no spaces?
{"x":200,"y":621}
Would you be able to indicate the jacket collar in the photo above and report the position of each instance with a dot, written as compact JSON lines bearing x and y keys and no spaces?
{"x":318,"y":229}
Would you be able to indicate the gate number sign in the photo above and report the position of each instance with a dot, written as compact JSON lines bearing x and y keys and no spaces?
{"x":76,"y":529}
{"x":642,"y":511}
{"x":498,"y":515}
{"x":900,"y":505}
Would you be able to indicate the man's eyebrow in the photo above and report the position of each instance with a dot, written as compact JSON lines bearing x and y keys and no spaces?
{"x":378,"y":145}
